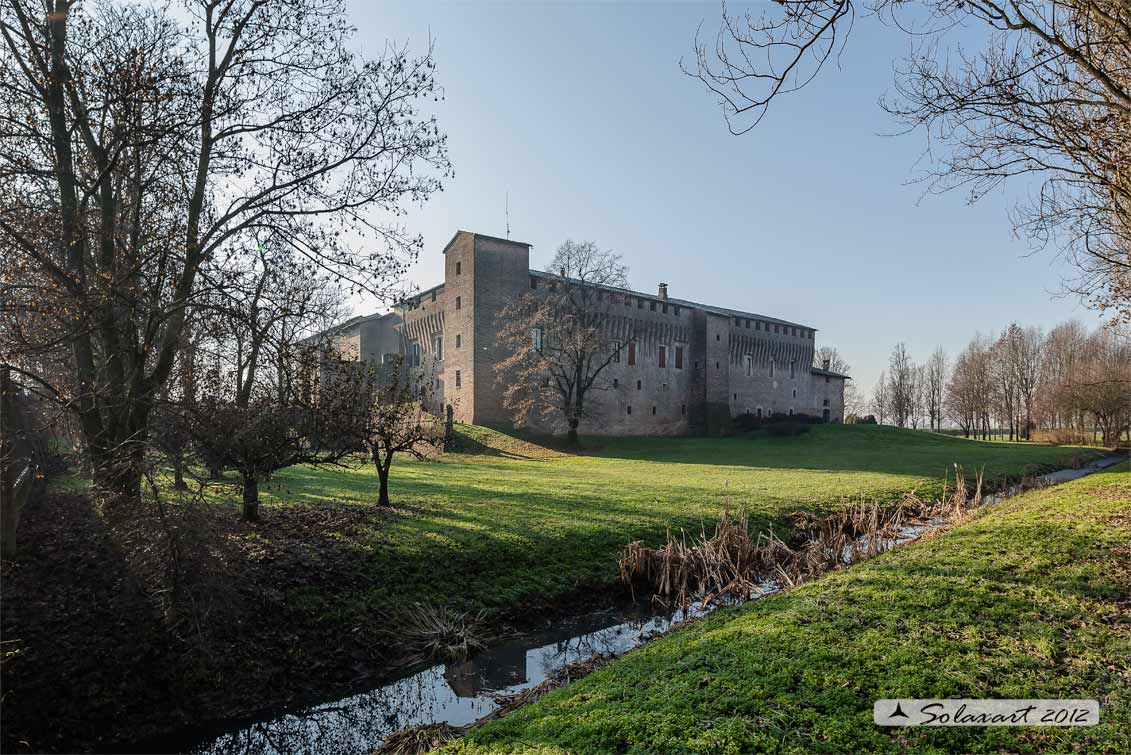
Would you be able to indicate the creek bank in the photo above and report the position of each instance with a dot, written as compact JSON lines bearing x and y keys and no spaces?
{"x":462,"y":694}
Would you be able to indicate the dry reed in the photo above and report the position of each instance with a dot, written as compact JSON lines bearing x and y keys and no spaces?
{"x":419,"y":739}
{"x":733,"y":565}
{"x":442,"y":633}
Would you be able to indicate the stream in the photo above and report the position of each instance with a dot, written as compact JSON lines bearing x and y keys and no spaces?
{"x":462,"y":693}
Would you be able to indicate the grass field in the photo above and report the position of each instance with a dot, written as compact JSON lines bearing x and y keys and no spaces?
{"x":1027,"y":600}
{"x":310,"y":601}
{"x":514,"y":519}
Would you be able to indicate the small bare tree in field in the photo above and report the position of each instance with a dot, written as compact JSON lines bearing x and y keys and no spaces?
{"x":397,"y":420}
{"x":561,"y":337}
{"x":258,"y":431}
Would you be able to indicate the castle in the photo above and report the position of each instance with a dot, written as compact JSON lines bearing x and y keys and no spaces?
{"x":689,"y":368}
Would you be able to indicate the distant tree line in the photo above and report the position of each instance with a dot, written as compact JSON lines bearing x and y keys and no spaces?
{"x":1069,"y":381}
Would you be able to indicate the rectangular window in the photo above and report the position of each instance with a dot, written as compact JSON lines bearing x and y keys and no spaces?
{"x":533,"y":282}
{"x":459,"y":340}
{"x":537,"y":335}
{"x":653,"y":411}
{"x":652,"y":306}
{"x":630,"y":408}
{"x":640,"y":304}
{"x":677,"y":311}
{"x":414,"y":355}
{"x":793,"y":369}
{"x":616,"y":352}
{"x":663,"y":356}
{"x":748,"y":361}
{"x":459,"y":380}
{"x":433,"y":296}
{"x":665,"y":309}
{"x":459,"y":267}
{"x":632,"y":353}
{"x":748,"y":325}
{"x":683,"y":409}
{"x":616,"y":383}
{"x":757,"y":325}
{"x":826,"y":402}
{"x":459,"y":303}
{"x":679,"y":357}
{"x":777,"y":328}
{"x":639,"y":385}
{"x":438,"y":347}
{"x":771,"y":368}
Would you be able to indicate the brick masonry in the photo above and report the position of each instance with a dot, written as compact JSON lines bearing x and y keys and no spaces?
{"x":731,"y":361}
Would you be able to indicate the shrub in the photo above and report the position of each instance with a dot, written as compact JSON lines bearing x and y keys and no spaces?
{"x":1060,"y":436}
{"x":855,"y":419}
{"x":786,"y":429}
{"x":747,"y":422}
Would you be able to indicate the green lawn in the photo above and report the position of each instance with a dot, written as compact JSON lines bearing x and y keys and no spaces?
{"x":1027,"y":600}
{"x":514,"y":520}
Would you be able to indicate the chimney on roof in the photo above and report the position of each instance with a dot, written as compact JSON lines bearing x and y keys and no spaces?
{"x":824,"y":364}
{"x":664,"y":291}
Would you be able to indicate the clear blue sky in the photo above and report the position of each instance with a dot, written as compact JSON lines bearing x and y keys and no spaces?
{"x":581,"y":113}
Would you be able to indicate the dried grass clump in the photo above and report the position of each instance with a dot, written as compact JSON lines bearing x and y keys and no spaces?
{"x":419,"y":739}
{"x":733,"y":565}
{"x":712,"y":569}
{"x":442,"y":633}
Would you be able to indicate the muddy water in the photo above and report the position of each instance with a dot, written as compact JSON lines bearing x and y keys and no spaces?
{"x":462,"y":693}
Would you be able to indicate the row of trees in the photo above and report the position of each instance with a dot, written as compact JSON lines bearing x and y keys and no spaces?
{"x":1017,"y":381}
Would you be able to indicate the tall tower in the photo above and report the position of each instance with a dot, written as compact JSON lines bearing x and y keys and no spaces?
{"x":482,"y":274}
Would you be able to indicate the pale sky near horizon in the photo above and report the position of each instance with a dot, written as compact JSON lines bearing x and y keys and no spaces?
{"x":581,"y":114}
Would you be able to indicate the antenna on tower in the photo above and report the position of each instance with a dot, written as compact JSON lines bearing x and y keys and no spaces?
{"x":507,"y":212}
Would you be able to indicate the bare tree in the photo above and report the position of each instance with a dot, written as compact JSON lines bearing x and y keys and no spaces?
{"x":561,"y":337}
{"x":1101,"y":387}
{"x":135,"y":148}
{"x":257,"y":433}
{"x":935,"y":380}
{"x":397,"y":420}
{"x":828,"y":358}
{"x":881,"y":400}
{"x":1047,"y":95}
{"x":969,"y":391}
{"x":901,"y":385}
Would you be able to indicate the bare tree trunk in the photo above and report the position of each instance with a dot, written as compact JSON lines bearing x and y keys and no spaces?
{"x":179,"y":472}
{"x":250,"y":498}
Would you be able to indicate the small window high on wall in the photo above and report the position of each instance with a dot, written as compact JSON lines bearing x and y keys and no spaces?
{"x":679,"y":357}
{"x":632,"y":353}
{"x":663,"y":356}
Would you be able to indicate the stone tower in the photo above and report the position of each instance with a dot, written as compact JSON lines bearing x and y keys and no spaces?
{"x":482,"y":274}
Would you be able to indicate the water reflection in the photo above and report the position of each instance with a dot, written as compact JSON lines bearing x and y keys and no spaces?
{"x":454,"y":693}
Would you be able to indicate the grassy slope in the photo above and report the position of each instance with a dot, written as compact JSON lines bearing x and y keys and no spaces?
{"x":1027,"y":600}
{"x":514,"y":520}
